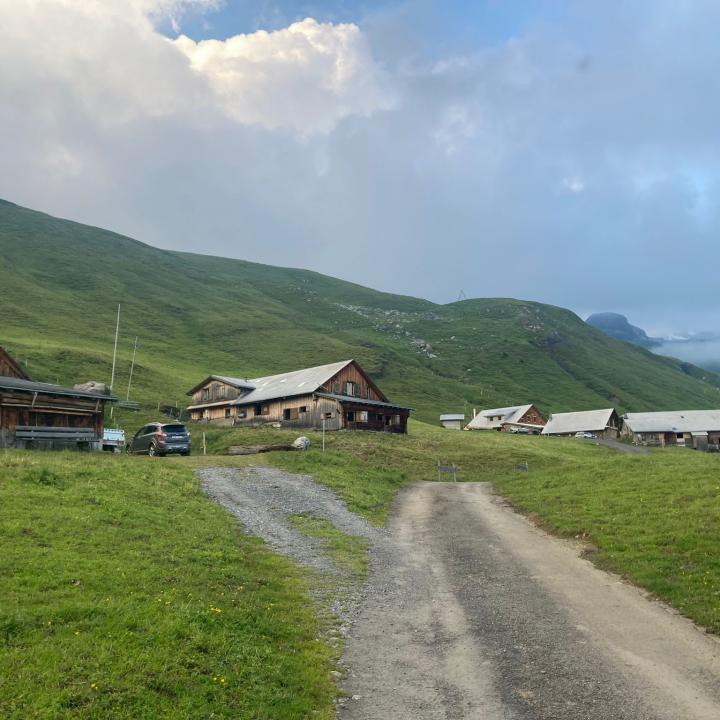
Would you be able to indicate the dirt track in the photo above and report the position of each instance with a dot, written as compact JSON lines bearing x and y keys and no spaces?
{"x":478,"y":614}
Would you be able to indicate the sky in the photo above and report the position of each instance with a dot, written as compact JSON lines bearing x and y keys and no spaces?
{"x":564,"y":152}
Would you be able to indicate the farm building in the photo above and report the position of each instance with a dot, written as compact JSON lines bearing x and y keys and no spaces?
{"x":452,"y":421}
{"x":341,"y":396}
{"x":40,"y":415}
{"x":699,"y":429}
{"x":509,"y":419}
{"x":603,"y":423}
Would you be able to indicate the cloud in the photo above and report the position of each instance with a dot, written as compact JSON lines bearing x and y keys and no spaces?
{"x":307,"y":76}
{"x":108,"y":60}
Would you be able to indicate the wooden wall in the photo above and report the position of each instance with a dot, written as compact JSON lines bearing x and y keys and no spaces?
{"x":351,"y":373}
{"x":217,"y":391}
{"x":23,"y":408}
{"x":533,"y":417}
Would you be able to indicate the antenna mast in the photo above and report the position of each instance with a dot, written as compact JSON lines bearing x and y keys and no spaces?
{"x":132,"y":367}
{"x":112,"y":377}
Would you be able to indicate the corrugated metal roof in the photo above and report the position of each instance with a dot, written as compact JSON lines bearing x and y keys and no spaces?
{"x":572,"y":422}
{"x":451,"y":416}
{"x":674,"y":421}
{"x":12,"y":383}
{"x":512,"y":414}
{"x":298,"y":382}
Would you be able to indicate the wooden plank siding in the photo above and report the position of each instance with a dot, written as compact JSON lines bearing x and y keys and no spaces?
{"x":44,"y":410}
{"x":366,"y":388}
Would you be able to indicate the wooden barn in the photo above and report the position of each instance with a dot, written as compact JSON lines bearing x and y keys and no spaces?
{"x":40,"y":415}
{"x":517,"y":418}
{"x":698,"y":429}
{"x":341,"y":396}
{"x":603,"y":423}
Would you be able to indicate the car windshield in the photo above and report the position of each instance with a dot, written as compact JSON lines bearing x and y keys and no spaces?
{"x":174,"y":428}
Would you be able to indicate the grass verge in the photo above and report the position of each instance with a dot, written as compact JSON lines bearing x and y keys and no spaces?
{"x":127,"y":594}
{"x":348,"y":552}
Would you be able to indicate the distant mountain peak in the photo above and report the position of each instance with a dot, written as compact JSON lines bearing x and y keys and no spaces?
{"x":617,"y":326}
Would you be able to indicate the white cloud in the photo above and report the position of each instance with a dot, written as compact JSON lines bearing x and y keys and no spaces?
{"x":107,"y":60}
{"x":307,"y":76}
{"x":574,"y":184}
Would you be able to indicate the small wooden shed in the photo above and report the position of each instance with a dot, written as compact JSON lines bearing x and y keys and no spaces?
{"x":41,"y":415}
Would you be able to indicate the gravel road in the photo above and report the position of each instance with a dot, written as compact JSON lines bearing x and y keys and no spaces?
{"x":482,"y":615}
{"x":471,"y":612}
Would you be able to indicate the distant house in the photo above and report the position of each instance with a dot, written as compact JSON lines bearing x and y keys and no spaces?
{"x":40,"y":415}
{"x":603,"y":423}
{"x":509,"y":419}
{"x":699,"y":429}
{"x":452,"y":421}
{"x":340,"y":396}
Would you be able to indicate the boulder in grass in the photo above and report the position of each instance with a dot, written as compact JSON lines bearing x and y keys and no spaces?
{"x":302,"y":443}
{"x":93,"y":386}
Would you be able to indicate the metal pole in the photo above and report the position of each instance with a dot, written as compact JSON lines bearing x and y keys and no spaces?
{"x":112,"y":377}
{"x":323,"y":435}
{"x":204,"y":446}
{"x":132,"y":367}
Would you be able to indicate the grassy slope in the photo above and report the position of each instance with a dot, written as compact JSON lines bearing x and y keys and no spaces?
{"x":126,"y":594}
{"x":653,"y":518}
{"x":60,"y":283}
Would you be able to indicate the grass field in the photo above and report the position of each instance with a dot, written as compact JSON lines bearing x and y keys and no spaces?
{"x":127,"y":594}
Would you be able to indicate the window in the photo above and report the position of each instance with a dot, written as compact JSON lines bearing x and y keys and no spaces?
{"x":265,"y":409}
{"x":336,"y":388}
{"x":363,"y":416}
{"x":206,"y":394}
{"x":242,"y":413}
{"x":367,"y":392}
{"x":227,"y":412}
{"x":328,"y":416}
{"x":303,"y":409}
{"x":290,"y":414}
{"x":350,"y":388}
{"x":351,"y":416}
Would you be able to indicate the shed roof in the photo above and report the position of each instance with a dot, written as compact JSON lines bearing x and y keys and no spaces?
{"x":12,"y":383}
{"x":452,"y":416}
{"x":674,"y":421}
{"x":511,"y":414}
{"x":572,"y":422}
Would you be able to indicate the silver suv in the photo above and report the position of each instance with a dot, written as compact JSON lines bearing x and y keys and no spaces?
{"x":161,"y":439}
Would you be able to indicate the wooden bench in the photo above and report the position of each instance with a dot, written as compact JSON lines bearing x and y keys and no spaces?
{"x":447,"y":470}
{"x":69,"y":435}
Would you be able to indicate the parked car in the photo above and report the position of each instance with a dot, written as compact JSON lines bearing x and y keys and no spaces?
{"x":161,"y":439}
{"x":522,"y":431}
{"x":586,"y":435}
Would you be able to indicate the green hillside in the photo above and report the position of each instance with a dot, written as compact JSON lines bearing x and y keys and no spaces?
{"x":60,"y":283}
